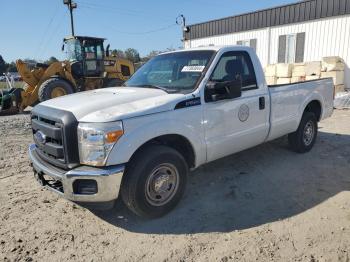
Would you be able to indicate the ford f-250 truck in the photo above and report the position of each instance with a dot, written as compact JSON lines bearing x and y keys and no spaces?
{"x":177,"y":112}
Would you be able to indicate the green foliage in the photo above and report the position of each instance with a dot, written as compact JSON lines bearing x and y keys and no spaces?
{"x":118,"y":53}
{"x":11,"y":67}
{"x":51,"y":60}
{"x":150,"y":55}
{"x":133,"y":55}
{"x":3,"y":65}
{"x":30,"y":61}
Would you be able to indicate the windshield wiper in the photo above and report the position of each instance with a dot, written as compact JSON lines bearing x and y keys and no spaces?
{"x":169,"y":91}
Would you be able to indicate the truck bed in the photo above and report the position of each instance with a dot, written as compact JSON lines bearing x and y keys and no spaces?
{"x":286,"y":103}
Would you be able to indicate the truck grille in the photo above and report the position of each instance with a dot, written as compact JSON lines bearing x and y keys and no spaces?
{"x":55,"y":136}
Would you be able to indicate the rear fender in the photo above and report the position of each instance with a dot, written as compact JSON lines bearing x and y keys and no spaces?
{"x":311,"y":97}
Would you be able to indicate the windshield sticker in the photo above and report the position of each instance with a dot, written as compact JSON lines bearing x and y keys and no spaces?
{"x":192,"y":68}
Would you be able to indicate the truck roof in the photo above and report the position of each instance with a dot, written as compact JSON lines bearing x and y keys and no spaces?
{"x":214,"y":48}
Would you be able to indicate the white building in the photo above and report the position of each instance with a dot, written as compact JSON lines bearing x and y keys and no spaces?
{"x":298,"y":32}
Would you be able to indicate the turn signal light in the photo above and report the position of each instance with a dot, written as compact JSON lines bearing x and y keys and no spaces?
{"x":113,"y":136}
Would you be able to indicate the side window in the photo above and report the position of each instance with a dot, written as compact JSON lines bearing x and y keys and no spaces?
{"x":125,"y":70}
{"x":90,"y":52}
{"x":235,"y":65}
{"x":99,"y":52}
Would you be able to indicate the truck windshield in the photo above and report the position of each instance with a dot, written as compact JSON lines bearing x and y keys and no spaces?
{"x":73,"y":50}
{"x":176,"y":72}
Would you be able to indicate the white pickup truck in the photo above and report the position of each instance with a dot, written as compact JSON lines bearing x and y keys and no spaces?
{"x":177,"y":112}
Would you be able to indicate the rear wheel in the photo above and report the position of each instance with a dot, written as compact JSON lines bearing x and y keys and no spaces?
{"x":304,"y":138}
{"x":54,"y":87}
{"x":154,"y":181}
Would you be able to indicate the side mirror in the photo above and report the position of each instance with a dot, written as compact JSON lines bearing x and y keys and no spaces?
{"x":223,"y":90}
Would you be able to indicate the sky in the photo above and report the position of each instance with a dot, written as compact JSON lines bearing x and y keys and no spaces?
{"x":35,"y":28}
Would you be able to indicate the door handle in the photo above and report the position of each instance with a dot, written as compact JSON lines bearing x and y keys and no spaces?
{"x":262,"y":103}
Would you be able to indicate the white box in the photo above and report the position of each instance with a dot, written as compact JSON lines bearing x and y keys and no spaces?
{"x":298,"y":70}
{"x":339,"y":89}
{"x":313,"y":68}
{"x":308,"y":78}
{"x":332,"y":59}
{"x":284,"y":70}
{"x":296,"y":79}
{"x":283,"y":80}
{"x":338,"y":77}
{"x":271,"y":80}
{"x":270,"y":70}
{"x":339,"y":66}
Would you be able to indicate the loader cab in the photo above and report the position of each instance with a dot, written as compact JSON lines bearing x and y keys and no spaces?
{"x":86,"y":55}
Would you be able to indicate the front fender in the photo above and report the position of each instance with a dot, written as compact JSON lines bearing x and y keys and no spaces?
{"x":140,"y":130}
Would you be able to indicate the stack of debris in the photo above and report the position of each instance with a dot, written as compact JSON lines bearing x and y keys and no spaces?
{"x":270,"y":75}
{"x":332,"y":66}
{"x":284,"y":73}
{"x":298,"y":73}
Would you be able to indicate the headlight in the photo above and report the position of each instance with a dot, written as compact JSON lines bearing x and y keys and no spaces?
{"x":96,"y":140}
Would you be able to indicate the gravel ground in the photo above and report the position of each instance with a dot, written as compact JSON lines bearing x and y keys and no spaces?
{"x":263,"y":204}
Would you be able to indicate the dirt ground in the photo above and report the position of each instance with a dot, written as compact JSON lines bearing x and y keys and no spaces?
{"x":263,"y":204}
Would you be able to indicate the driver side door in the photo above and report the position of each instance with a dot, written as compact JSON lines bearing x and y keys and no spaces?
{"x":232,"y":125}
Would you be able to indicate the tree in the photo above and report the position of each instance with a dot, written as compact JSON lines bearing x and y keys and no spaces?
{"x":150,"y":55}
{"x":2,"y":65}
{"x":133,"y":55}
{"x":51,"y":60}
{"x":30,"y":61}
{"x":118,"y":53}
{"x":11,"y":67}
{"x":155,"y":53}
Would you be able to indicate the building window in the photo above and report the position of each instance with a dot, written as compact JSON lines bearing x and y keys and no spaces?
{"x":291,"y":48}
{"x":245,"y":42}
{"x":249,"y":42}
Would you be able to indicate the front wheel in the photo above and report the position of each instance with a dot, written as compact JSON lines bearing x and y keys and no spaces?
{"x":304,"y":138}
{"x":155,"y":181}
{"x":54,"y":87}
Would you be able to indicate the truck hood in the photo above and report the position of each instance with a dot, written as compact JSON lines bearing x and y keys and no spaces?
{"x":115,"y":103}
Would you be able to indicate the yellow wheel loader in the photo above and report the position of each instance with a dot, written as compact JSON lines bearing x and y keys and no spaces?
{"x":88,"y":66}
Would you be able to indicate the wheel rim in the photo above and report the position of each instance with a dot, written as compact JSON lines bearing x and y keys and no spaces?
{"x":309,"y":132}
{"x":58,"y":91}
{"x":162,"y":184}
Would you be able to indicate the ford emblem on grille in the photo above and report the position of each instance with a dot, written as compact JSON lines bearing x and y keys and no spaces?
{"x":40,"y":137}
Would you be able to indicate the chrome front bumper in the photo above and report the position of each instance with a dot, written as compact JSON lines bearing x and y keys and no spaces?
{"x":108,"y":180}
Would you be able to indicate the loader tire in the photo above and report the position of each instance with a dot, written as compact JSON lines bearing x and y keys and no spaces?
{"x":54,"y":87}
{"x":303,"y":139}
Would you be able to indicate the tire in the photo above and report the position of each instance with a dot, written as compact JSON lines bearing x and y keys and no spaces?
{"x":54,"y":87}
{"x":145,"y":172}
{"x":302,"y":140}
